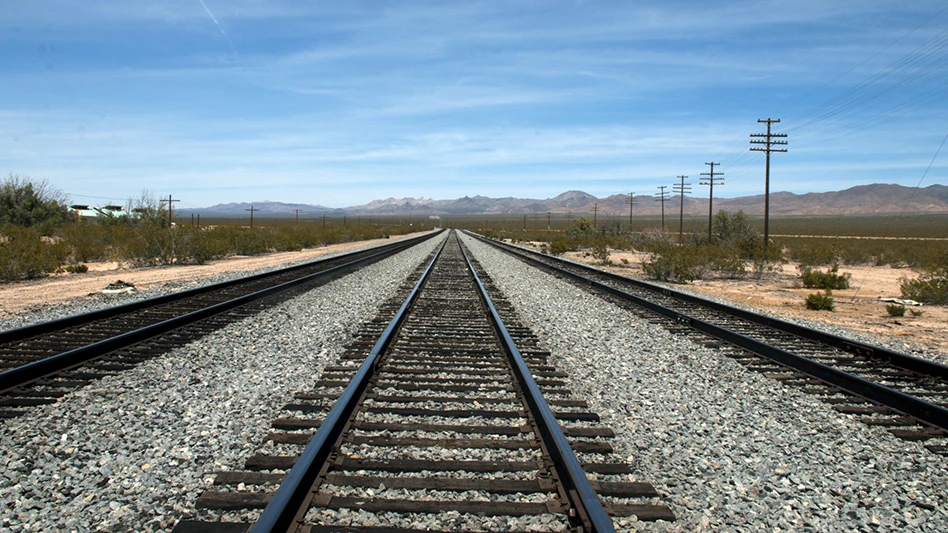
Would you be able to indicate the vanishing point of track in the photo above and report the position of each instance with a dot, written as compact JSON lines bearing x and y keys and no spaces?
{"x":448,"y":410}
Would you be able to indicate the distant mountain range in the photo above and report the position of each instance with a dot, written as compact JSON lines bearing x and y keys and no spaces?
{"x":876,"y":199}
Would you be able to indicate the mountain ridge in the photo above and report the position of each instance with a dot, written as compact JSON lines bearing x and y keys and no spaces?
{"x":871,"y":199}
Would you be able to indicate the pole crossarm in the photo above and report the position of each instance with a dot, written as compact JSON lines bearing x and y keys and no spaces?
{"x":681,"y":188}
{"x":712,"y":179}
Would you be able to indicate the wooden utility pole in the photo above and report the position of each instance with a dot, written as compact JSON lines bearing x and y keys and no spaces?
{"x":251,"y":214}
{"x":661,"y":197}
{"x":547,"y":221}
{"x":681,"y":189}
{"x":170,"y":202}
{"x":297,"y":219}
{"x":631,"y":200}
{"x":595,"y":213}
{"x":712,"y":178}
{"x":768,"y":142}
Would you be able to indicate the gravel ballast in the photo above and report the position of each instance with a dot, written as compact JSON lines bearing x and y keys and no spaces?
{"x":728,"y":449}
{"x":132,"y":452}
{"x":96,"y":301}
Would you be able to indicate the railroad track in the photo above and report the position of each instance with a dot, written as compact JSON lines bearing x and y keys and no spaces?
{"x":907,"y":394}
{"x":41,"y":363}
{"x":439,"y":417}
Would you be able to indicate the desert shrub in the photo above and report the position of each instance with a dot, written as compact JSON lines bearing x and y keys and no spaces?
{"x":28,"y":202}
{"x":930,"y":287}
{"x":582,"y":227}
{"x":76,"y":269}
{"x":832,"y":279}
{"x":88,"y":242}
{"x":727,"y":261}
{"x":680,"y":264}
{"x":600,"y":253}
{"x":820,"y":301}
{"x":560,"y":246}
{"x":916,"y":312}
{"x":25,"y":255}
{"x":895,"y":309}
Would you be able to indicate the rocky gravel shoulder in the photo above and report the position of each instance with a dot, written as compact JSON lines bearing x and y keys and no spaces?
{"x":132,"y":452}
{"x":98,"y":300}
{"x":728,"y":449}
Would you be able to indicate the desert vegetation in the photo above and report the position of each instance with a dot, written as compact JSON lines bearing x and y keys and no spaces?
{"x":38,"y":236}
{"x":735,"y":250}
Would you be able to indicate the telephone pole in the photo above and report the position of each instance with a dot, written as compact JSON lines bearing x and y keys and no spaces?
{"x":297,"y":219}
{"x":631,"y":201}
{"x":681,"y":189}
{"x":170,"y":202}
{"x":547,"y":221}
{"x":711,"y":179}
{"x":595,"y":213}
{"x":661,"y":197}
{"x":768,"y":142}
{"x":251,"y":214}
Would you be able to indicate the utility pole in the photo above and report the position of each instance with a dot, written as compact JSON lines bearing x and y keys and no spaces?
{"x":681,"y":189}
{"x":524,"y":222}
{"x":595,"y":213}
{"x":631,"y":200}
{"x":661,"y":197}
{"x":170,"y":201}
{"x":768,"y":142}
{"x":297,"y":219}
{"x":251,"y":214}
{"x":712,"y":178}
{"x":547,"y":221}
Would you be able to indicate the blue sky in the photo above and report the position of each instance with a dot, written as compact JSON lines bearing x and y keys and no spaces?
{"x":340,"y":103}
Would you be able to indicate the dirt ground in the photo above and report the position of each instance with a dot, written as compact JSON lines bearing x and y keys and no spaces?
{"x":857,"y":308}
{"x":59,"y":288}
{"x":777,"y":292}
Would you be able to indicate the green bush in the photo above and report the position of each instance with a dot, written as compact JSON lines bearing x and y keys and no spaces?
{"x":930,"y":287}
{"x":820,"y":302}
{"x":24,"y":254}
{"x":681,"y":264}
{"x":916,"y":312}
{"x":559,"y":247}
{"x":895,"y":309}
{"x":832,"y":280}
{"x":76,"y":269}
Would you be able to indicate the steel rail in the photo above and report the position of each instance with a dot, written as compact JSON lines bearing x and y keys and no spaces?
{"x":901,"y":360}
{"x":32,"y":371}
{"x":33,"y":330}
{"x":578,"y":489}
{"x":282,"y":511}
{"x":908,"y":404}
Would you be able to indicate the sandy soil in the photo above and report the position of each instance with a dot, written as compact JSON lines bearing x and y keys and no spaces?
{"x":858,"y":308}
{"x":59,"y":288}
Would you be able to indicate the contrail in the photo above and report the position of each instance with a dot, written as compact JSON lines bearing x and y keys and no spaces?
{"x":232,"y":49}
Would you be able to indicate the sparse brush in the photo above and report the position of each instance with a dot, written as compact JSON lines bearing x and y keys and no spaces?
{"x":816,"y":279}
{"x":76,"y":269}
{"x":895,"y":309}
{"x":820,"y":301}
